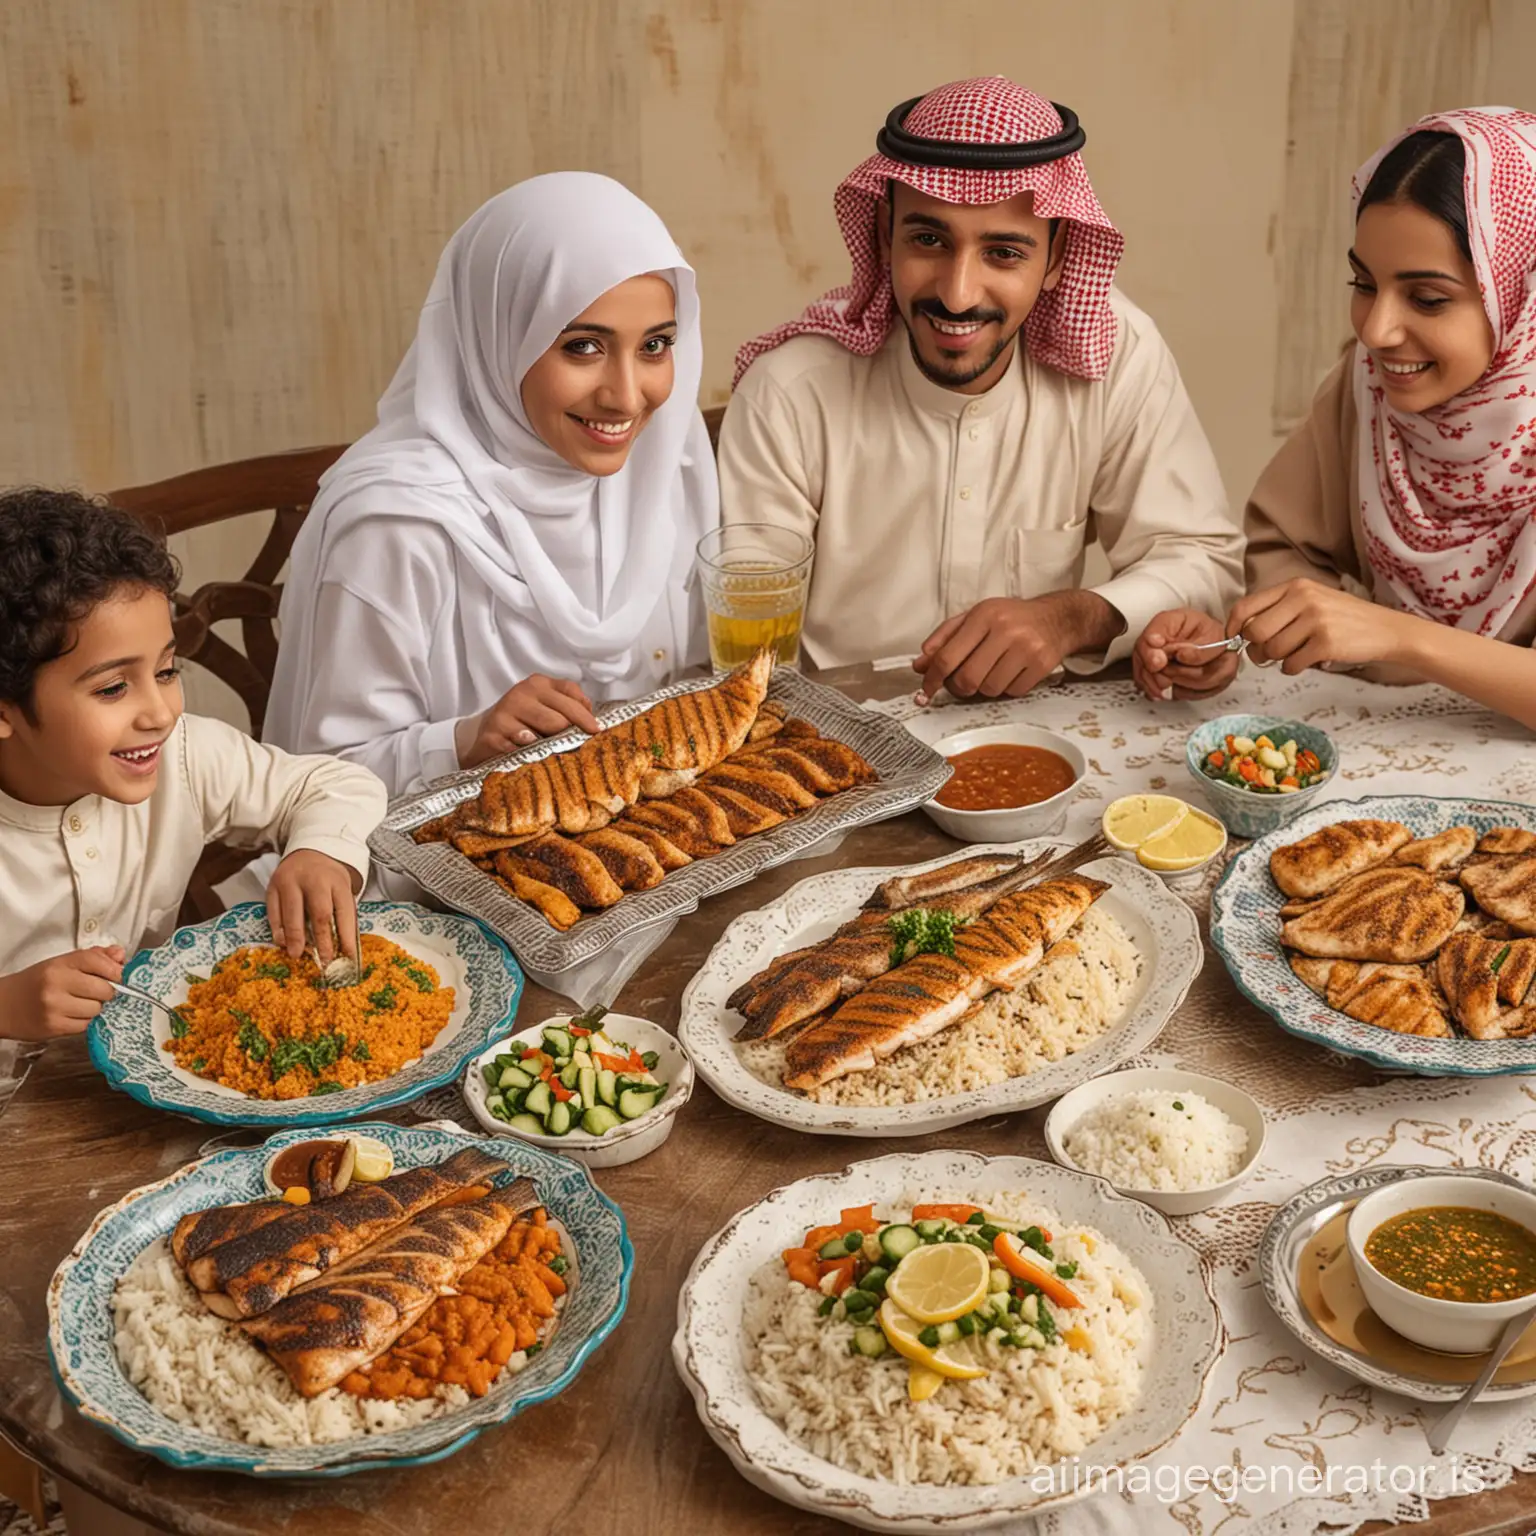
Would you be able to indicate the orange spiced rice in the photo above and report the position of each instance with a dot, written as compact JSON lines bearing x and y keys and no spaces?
{"x":264,"y":1024}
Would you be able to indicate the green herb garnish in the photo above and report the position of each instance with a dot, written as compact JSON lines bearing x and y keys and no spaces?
{"x":316,"y":1053}
{"x":1500,"y":958}
{"x":532,"y":1350}
{"x":327,"y":1088}
{"x":273,"y":970}
{"x":250,"y":1039}
{"x":423,"y":981}
{"x":1045,"y":1323}
{"x":360,"y":1051}
{"x":180,"y":1029}
{"x":559,"y":1264}
{"x":384,"y":999}
{"x":1033,"y":1237}
{"x":199,"y":1063}
{"x":657,"y":750}
{"x":1066,"y":1271}
{"x":193,"y":979}
{"x":923,"y":931}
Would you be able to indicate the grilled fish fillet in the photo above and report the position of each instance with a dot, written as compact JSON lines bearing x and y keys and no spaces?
{"x":632,"y":864}
{"x":929,"y":993}
{"x":330,"y":1327}
{"x":1444,"y":851}
{"x":1506,"y":887}
{"x":1399,"y":915}
{"x":924,"y":889}
{"x":557,"y":909}
{"x":1487,"y":982}
{"x":257,"y":1269}
{"x":1402,"y":998}
{"x":198,"y":1231}
{"x":743,"y":816}
{"x":1317,"y":864}
{"x":1497,"y":842}
{"x":566,"y":865}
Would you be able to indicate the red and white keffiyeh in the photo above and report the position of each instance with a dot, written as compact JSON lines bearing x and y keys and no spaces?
{"x":1448,"y":495}
{"x":1071,"y":328}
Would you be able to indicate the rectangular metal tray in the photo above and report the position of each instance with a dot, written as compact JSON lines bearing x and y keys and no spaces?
{"x":909,"y":774}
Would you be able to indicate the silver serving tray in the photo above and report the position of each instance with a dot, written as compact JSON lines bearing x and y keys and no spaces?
{"x":1295,"y":1224}
{"x":909,"y":774}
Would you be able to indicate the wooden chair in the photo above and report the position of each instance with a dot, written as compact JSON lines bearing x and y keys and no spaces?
{"x":283,"y":484}
{"x":712,"y":419}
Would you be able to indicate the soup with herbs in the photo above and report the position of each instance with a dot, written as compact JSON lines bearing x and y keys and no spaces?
{"x":1005,"y":776}
{"x":1455,"y":1253}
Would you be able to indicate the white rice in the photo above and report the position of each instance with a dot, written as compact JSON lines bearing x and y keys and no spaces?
{"x":205,"y":1372}
{"x":1078,"y":991}
{"x":1158,"y":1141}
{"x":1034,"y":1408}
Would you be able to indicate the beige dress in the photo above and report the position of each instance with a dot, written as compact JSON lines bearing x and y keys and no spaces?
{"x":923,"y":501}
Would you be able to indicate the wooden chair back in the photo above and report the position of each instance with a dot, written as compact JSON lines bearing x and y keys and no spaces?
{"x":712,"y":419}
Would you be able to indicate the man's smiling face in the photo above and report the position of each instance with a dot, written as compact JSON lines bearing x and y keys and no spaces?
{"x":965,"y":279}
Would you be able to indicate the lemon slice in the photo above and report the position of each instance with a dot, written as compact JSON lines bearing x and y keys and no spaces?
{"x":958,"y":1361}
{"x":1133,"y":820}
{"x":374,"y":1161}
{"x":940,"y":1283}
{"x":922,"y":1383}
{"x":1192,"y":841}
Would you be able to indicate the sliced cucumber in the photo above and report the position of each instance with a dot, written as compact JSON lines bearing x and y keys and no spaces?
{"x":869,"y":1342}
{"x":598,"y":1041}
{"x":494,"y":1101}
{"x":599,"y":1120}
{"x":874,"y":1281}
{"x":491,"y":1072}
{"x":832,"y":1249}
{"x":587,"y":1082}
{"x":529,"y":1125}
{"x":581,"y":1059}
{"x":539,"y":1100}
{"x":605,"y":1087}
{"x":948,"y":1332}
{"x":504,"y":1059}
{"x":515,"y":1077}
{"x":930,"y":1231}
{"x":569,"y":1075}
{"x":559,"y":1121}
{"x":897,"y":1241}
{"x":557,"y":1042}
{"x":634,"y":1102}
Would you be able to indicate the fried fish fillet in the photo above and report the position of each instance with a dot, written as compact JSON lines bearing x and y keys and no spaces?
{"x":1444,"y":851}
{"x":1506,"y":887}
{"x":1397,"y":915}
{"x":1497,"y":842}
{"x":1317,"y":864}
{"x":565,"y":864}
{"x":632,"y":864}
{"x":1487,"y":982}
{"x":557,"y":909}
{"x":743,"y":816}
{"x":1402,"y":998}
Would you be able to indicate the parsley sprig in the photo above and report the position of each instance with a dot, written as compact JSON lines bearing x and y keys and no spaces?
{"x":923,"y":931}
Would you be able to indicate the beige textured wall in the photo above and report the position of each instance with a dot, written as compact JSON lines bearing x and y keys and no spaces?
{"x":219,"y":217}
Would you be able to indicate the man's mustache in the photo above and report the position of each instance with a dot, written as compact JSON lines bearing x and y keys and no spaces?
{"x":935,"y":310}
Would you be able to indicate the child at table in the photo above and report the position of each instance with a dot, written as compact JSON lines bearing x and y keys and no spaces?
{"x":1396,"y":530}
{"x":108,"y":792}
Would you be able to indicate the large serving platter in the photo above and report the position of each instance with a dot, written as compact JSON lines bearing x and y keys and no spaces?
{"x":1162,"y":926}
{"x":909,"y":773}
{"x":127,"y":1038}
{"x":709,"y":1348}
{"x":80,"y":1325}
{"x":1245,"y":930}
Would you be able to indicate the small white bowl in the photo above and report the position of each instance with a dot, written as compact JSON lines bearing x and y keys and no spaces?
{"x":625,"y":1143}
{"x":1232,"y":1102}
{"x":1014,"y":823}
{"x":1452,"y":1327}
{"x":1195,"y":874}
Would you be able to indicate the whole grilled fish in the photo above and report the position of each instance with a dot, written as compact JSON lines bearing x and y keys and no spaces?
{"x":333,"y":1325}
{"x":923,"y":889}
{"x":931,"y":992}
{"x":254,"y":1271}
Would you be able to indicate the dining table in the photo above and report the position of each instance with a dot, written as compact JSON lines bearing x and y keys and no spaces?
{"x":622,"y":1449}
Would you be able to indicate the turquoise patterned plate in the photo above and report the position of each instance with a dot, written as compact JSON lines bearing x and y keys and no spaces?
{"x":80,"y":1326}
{"x":1245,"y":930}
{"x":127,"y":1036}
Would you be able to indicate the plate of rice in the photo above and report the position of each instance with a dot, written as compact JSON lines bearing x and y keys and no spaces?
{"x":832,"y":1412}
{"x":257,"y":1038}
{"x":137,"y":1352}
{"x":1097,"y":998}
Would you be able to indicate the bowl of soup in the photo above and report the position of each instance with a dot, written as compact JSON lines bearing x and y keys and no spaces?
{"x":1009,"y":782}
{"x":1446,"y":1260}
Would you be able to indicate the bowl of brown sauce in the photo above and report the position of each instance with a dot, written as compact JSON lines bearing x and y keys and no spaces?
{"x":1446,"y":1261}
{"x":1009,"y":782}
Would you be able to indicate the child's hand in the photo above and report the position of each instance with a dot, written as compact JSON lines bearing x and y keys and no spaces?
{"x":1162,"y":671}
{"x":313,"y":887}
{"x":59,"y":996}
{"x":1305,"y":624}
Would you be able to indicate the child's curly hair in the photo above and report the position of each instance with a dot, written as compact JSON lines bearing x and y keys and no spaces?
{"x":62,"y":554}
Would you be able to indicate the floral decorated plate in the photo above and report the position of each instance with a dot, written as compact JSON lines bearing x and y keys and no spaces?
{"x":1245,"y":929}
{"x":713,"y":1352}
{"x":81,"y":1330}
{"x":128,"y":1036}
{"x":1160,"y":925}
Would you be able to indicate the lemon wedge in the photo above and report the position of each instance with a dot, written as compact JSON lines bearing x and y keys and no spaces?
{"x":957,"y":1361}
{"x":922,"y":1383}
{"x":940,"y":1283}
{"x":1133,"y":820}
{"x":1192,"y":841}
{"x":373,"y":1160}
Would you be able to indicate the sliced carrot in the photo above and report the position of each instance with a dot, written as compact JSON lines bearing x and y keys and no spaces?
{"x":858,"y":1218}
{"x":842,"y":1269}
{"x":576,"y":1029}
{"x":801,"y":1263}
{"x":636,"y":1062}
{"x":955,"y":1213}
{"x":611,"y":1063}
{"x":531,"y":1052}
{"x":819,"y":1235}
{"x":560,"y":1091}
{"x":1012,"y":1257}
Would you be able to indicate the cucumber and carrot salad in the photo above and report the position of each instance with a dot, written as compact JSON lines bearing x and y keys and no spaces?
{"x":1260,"y":765}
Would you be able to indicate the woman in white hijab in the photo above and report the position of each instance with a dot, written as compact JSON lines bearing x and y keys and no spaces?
{"x":514,"y":540}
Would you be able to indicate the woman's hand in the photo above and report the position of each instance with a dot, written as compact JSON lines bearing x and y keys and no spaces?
{"x":1303,"y":624}
{"x":311,"y":888}
{"x":59,"y":996}
{"x":537,"y":706}
{"x":1162,"y":671}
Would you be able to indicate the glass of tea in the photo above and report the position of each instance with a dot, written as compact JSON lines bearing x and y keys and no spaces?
{"x":755,"y":578}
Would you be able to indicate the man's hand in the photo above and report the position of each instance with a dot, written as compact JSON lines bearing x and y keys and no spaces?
{"x":537,"y":706}
{"x":59,"y":996}
{"x":1305,"y":624}
{"x":1004,"y":646}
{"x":311,"y":887}
{"x":1164,"y":671}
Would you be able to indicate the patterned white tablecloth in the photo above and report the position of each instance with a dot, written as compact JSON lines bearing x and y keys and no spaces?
{"x":1292,"y":1443}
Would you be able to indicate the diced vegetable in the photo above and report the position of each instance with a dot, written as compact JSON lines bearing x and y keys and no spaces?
{"x":858,"y":1218}
{"x":832,"y":1249}
{"x":515,"y":1077}
{"x":955,"y":1213}
{"x":930,"y":1230}
{"x":898,"y":1240}
{"x":869,"y":1342}
{"x":528,"y":1125}
{"x":635,"y":1102}
{"x":1024,"y":1266}
{"x":605,"y":1082}
{"x":599,"y":1120}
{"x":557,"y":1042}
{"x":559,"y":1120}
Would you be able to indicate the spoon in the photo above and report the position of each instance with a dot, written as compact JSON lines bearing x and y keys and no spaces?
{"x":341,"y":972}
{"x":1439,"y":1433}
{"x":145,"y":997}
{"x":1231,"y":643}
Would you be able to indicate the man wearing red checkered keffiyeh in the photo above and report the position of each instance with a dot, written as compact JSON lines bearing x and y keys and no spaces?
{"x":955,"y":425}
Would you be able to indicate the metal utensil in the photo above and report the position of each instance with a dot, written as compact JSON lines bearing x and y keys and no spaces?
{"x":1237,"y":643}
{"x":146,"y":997}
{"x":341,"y":972}
{"x":1439,"y":1433}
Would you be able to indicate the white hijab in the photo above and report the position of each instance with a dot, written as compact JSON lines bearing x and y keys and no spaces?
{"x":454,"y":446}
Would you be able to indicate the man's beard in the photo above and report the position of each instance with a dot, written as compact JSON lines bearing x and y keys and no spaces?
{"x":948,"y":377}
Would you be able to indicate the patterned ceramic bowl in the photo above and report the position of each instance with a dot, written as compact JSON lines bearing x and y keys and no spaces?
{"x":1245,"y":812}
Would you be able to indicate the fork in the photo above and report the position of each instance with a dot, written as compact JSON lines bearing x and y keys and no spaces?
{"x":1233,"y":643}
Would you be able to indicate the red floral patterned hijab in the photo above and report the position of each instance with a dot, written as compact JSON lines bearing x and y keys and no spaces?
{"x":1071,"y":328}
{"x":1448,"y":495}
